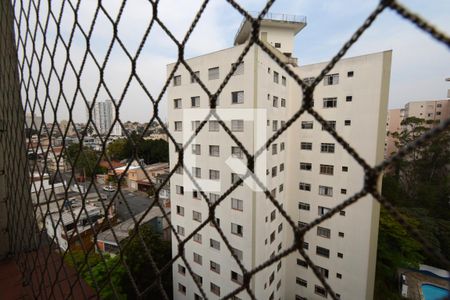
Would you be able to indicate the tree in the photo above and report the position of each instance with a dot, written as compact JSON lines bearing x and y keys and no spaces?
{"x":119,"y":149}
{"x":83,"y":161}
{"x":141,"y":268}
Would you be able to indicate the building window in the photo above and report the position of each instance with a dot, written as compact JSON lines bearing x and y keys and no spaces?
{"x":344,"y":169}
{"x":272,"y":237}
{"x":325,"y":190}
{"x":307,"y":124}
{"x":306,"y":146}
{"x":236,"y":152}
{"x":331,"y":79}
{"x":322,"y":251}
{"x":283,"y":102}
{"x":179,"y":189}
{"x":213,"y":198}
{"x":179,"y":170}
{"x":281,"y":167}
{"x":350,"y":74}
{"x":180,"y":230}
{"x":197,"y":172}
{"x":347,"y":122}
{"x":344,"y":191}
{"x":342,"y":212}
{"x":273,"y":215}
{"x":323,"y":271}
{"x":197,"y":238}
{"x":214,"y":244}
{"x":275,"y":77}
{"x":327,"y":147}
{"x":277,"y":45}
{"x":340,"y":255}
{"x":283,"y":80}
{"x":236,"y":277}
{"x":215,"y":289}
{"x":339,"y":275}
{"x":275,"y":101}
{"x":238,"y":253}
{"x":177,"y":80}
{"x":195,"y":194}
{"x":237,"y":97}
{"x":214,"y":126}
{"x":236,"y":229}
{"x":178,"y":125}
{"x":197,"y":73}
{"x":196,"y":149}
{"x":237,"y":125}
{"x":274,"y":125}
{"x":323,"y":232}
{"x":177,"y":103}
{"x":197,"y":278}
{"x":301,"y":282}
{"x":329,"y":102}
{"x":181,"y":269}
{"x":235,"y":178}
{"x":327,"y":169}
{"x":320,"y":291}
{"x":239,"y":68}
{"x":280,"y":227}
{"x":181,"y":288}
{"x":298,"y":297}
{"x":214,"y":150}
{"x":341,"y":234}
{"x":302,"y":263}
{"x":332,"y":124}
{"x":305,"y":166}
{"x":349,"y":98}
{"x":180,"y":210}
{"x":303,"y":206}
{"x":195,"y":125}
{"x":281,"y":188}
{"x":323,"y":210}
{"x":237,"y":204}
{"x":195,"y":101}
{"x":305,"y":245}
{"x":215,"y":267}
{"x":214,"y":174}
{"x":213,"y":73}
{"x":274,"y":149}
{"x":196,"y":216}
{"x":274,"y":171}
{"x":304,"y":186}
{"x":301,"y":224}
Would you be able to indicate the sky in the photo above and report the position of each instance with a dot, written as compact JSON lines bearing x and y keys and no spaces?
{"x":419,"y":67}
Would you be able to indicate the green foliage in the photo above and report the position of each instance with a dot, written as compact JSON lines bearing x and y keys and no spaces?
{"x":419,"y":188}
{"x":141,"y":266}
{"x":110,"y":275}
{"x":83,"y":161}
{"x":152,"y":151}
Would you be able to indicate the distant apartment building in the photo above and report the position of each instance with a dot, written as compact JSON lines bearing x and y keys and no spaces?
{"x":308,"y":172}
{"x":432,"y":111}
{"x":103,"y":115}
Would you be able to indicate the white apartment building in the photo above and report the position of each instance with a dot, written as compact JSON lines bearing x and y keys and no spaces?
{"x":103,"y":115}
{"x":308,"y":172}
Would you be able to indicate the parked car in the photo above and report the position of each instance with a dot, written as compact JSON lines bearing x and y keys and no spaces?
{"x":109,"y":188}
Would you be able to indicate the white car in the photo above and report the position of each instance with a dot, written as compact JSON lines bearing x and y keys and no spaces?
{"x":109,"y":189}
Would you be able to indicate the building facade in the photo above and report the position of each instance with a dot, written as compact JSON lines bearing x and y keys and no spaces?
{"x":103,"y":116}
{"x":306,"y":170}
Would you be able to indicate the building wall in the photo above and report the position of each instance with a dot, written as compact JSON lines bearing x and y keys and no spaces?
{"x":367,"y":113}
{"x":393,"y":124}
